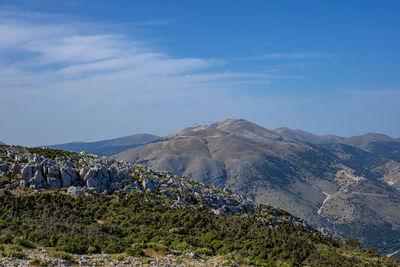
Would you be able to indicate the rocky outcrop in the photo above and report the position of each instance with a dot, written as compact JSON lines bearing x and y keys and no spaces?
{"x":85,"y":173}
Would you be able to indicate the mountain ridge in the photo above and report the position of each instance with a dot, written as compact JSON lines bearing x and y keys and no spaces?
{"x":107,"y":147}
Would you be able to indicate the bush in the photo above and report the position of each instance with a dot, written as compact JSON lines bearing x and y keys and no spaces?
{"x":92,"y":249}
{"x":205,"y":251}
{"x":352,"y":244}
{"x":37,"y":262}
{"x":113,"y":248}
{"x":23,"y":242}
{"x":64,"y":256}
{"x":134,"y":250}
{"x":11,"y":251}
{"x":4,"y":180}
{"x":131,"y":223}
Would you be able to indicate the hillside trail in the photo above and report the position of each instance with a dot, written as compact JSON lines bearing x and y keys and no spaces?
{"x":394,"y":253}
{"x":328,"y":196}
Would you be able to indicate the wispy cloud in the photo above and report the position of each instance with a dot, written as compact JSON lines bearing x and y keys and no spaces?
{"x":289,"y":56}
{"x":63,"y":51}
{"x":56,"y":68}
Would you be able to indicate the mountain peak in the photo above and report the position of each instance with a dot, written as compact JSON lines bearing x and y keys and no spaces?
{"x":245,"y":129}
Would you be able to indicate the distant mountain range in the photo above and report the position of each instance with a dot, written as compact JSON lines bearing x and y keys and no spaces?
{"x":345,"y":186}
{"x":1,"y":143}
{"x":108,"y":147}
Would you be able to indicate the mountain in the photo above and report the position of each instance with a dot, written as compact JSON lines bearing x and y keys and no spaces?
{"x":366,"y":142}
{"x":108,"y":147}
{"x":1,"y":143}
{"x":63,"y":208}
{"x":343,"y":189}
{"x":307,"y":137}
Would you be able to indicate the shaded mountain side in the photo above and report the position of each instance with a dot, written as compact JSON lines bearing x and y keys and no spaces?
{"x":306,"y":136}
{"x":364,"y":141}
{"x":321,"y":183}
{"x":1,"y":143}
{"x":369,"y":142}
{"x":108,"y":147}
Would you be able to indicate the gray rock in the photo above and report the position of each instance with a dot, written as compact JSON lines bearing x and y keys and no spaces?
{"x":4,"y":167}
{"x":194,"y":256}
{"x":38,"y":180}
{"x":75,"y":191}
{"x":36,"y":159}
{"x":19,"y":157}
{"x":15,"y":167}
{"x":94,"y":184}
{"x":132,"y":186}
{"x":53,"y":171}
{"x":54,"y":182}
{"x":88,"y":174}
{"x":26,"y":173}
{"x":82,"y":173}
{"x":23,"y":183}
{"x":83,"y":263}
{"x":68,"y":176}
{"x":116,"y":186}
{"x":148,"y":184}
{"x":175,"y":252}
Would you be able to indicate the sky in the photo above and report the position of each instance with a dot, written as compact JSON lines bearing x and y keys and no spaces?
{"x":94,"y":69}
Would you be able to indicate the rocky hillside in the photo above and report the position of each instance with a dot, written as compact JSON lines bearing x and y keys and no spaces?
{"x":63,"y":208}
{"x":37,"y":168}
{"x":340,"y":188}
{"x":108,"y":147}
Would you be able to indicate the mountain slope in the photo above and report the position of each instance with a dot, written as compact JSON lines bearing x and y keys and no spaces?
{"x":113,"y":207}
{"x":1,"y":143}
{"x":333,"y":186}
{"x":366,"y":142}
{"x":108,"y":147}
{"x":306,"y":136}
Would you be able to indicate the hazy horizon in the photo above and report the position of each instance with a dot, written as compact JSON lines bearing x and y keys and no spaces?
{"x":95,"y":70}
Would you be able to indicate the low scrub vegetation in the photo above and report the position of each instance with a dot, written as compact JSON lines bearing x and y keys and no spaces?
{"x":133,"y":223}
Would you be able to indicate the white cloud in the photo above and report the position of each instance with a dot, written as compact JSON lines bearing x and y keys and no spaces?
{"x":289,"y":56}
{"x":57,"y":74}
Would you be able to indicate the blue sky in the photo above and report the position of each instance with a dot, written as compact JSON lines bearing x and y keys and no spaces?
{"x":90,"y":70}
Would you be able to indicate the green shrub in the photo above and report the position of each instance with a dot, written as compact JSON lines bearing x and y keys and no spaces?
{"x":11,"y":251}
{"x":63,"y":255}
{"x":23,"y":242}
{"x":92,"y":249}
{"x":4,"y":180}
{"x":113,"y":248}
{"x":134,"y":250}
{"x":37,"y":262}
{"x":131,"y":223}
{"x":205,"y":251}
